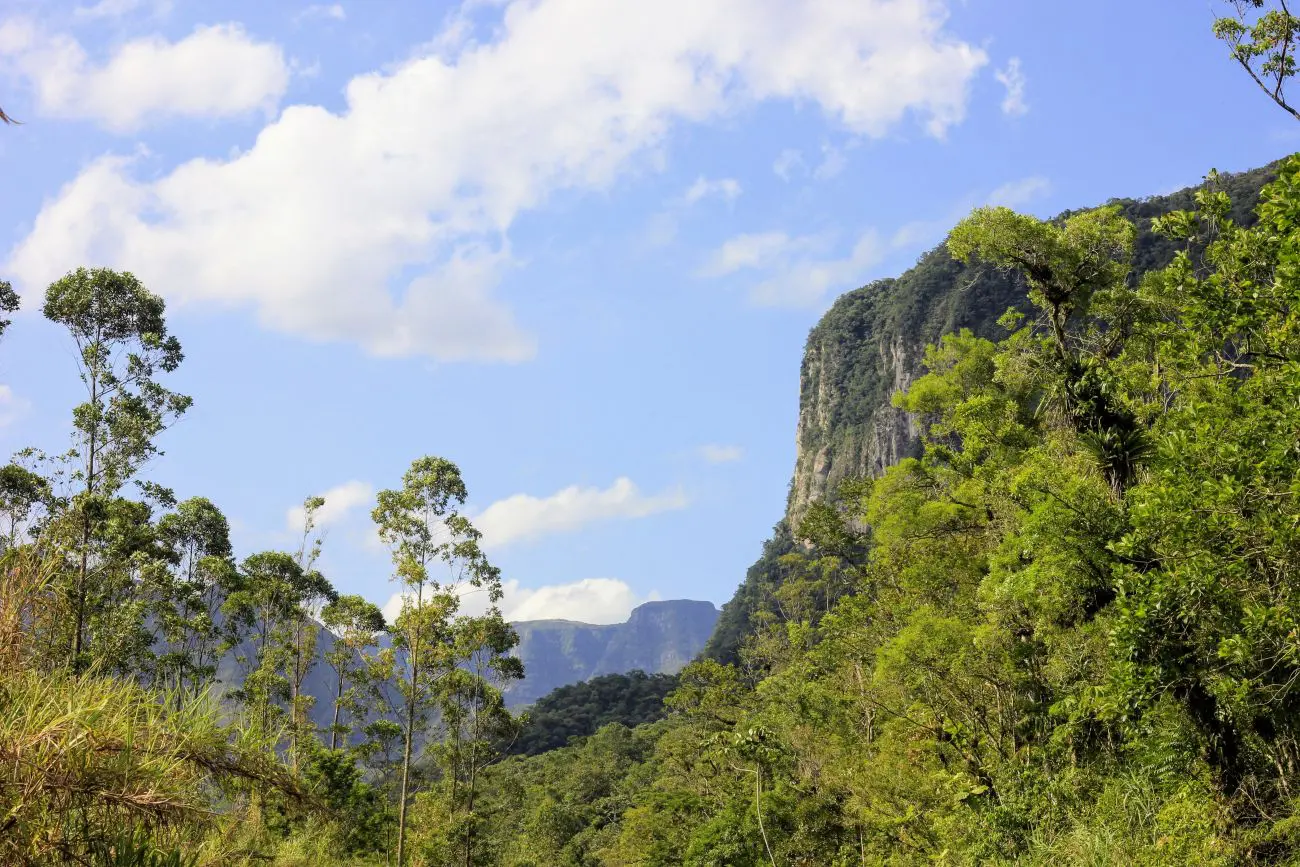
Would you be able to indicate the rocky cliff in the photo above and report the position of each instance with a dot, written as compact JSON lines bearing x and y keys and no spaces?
{"x":870,"y":344}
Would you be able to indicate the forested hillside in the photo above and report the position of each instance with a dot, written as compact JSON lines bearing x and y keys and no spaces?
{"x":580,"y":709}
{"x":1068,"y":634}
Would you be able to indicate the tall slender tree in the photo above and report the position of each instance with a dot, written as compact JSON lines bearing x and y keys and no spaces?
{"x":120,"y":332}
{"x":313,"y":593}
{"x":436,"y":555}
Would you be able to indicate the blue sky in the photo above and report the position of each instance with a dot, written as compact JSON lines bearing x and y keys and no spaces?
{"x":575,"y":246}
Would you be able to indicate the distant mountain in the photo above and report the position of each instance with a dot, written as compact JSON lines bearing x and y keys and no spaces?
{"x":658,"y":638}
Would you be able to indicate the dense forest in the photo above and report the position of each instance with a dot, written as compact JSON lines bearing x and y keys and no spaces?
{"x":1063,"y":631}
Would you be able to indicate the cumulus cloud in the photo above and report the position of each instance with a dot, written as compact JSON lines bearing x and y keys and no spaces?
{"x":800,"y":270}
{"x":591,"y":600}
{"x":216,"y":71}
{"x":524,"y":517}
{"x":1014,"y":81}
{"x":703,"y":188}
{"x":385,"y":224}
{"x":716,"y":454}
{"x":340,"y":501}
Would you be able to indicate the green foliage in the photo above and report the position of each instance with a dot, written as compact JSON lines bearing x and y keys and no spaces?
{"x":454,"y":664}
{"x":579,"y":709}
{"x":1264,"y":44}
{"x":8,"y":297}
{"x":1069,"y":635}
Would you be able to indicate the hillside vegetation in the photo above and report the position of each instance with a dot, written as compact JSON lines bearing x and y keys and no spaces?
{"x":1069,"y":635}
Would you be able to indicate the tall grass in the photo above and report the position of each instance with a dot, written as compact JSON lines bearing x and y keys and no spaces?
{"x":97,"y":769}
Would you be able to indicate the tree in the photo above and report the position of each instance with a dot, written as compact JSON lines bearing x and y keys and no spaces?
{"x":268,"y":606}
{"x":22,"y":492}
{"x":122,"y":344}
{"x":314,"y":592}
{"x":356,"y":624}
{"x":423,"y":528}
{"x":1264,"y":44}
{"x":8,"y":297}
{"x":477,"y":725}
{"x":1077,"y":274}
{"x":188,"y":608}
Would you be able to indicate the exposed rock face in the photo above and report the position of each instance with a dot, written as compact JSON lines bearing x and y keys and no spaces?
{"x":827,"y":455}
{"x":658,"y":638}
{"x":871,"y":343}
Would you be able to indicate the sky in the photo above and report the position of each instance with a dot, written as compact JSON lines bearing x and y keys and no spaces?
{"x":574,"y":246}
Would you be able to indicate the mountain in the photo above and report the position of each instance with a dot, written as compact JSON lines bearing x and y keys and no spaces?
{"x":658,"y":638}
{"x":870,"y":345}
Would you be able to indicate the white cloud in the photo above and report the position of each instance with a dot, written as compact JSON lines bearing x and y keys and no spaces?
{"x":333,"y":11}
{"x":1014,"y":81}
{"x":12,"y":407}
{"x":786,"y":162}
{"x":591,"y":600}
{"x":800,"y":271}
{"x":522,"y":516}
{"x":340,"y":501}
{"x":216,"y":71}
{"x":430,"y":163}
{"x":726,"y":188}
{"x":717,"y":454}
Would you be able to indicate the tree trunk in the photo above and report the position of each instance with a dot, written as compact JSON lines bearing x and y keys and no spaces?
{"x":80,"y":613}
{"x":411,"y":699}
{"x":406,"y":771}
{"x":334,"y":729}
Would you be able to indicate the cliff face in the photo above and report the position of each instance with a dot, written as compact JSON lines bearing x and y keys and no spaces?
{"x":870,"y":345}
{"x":658,"y":638}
